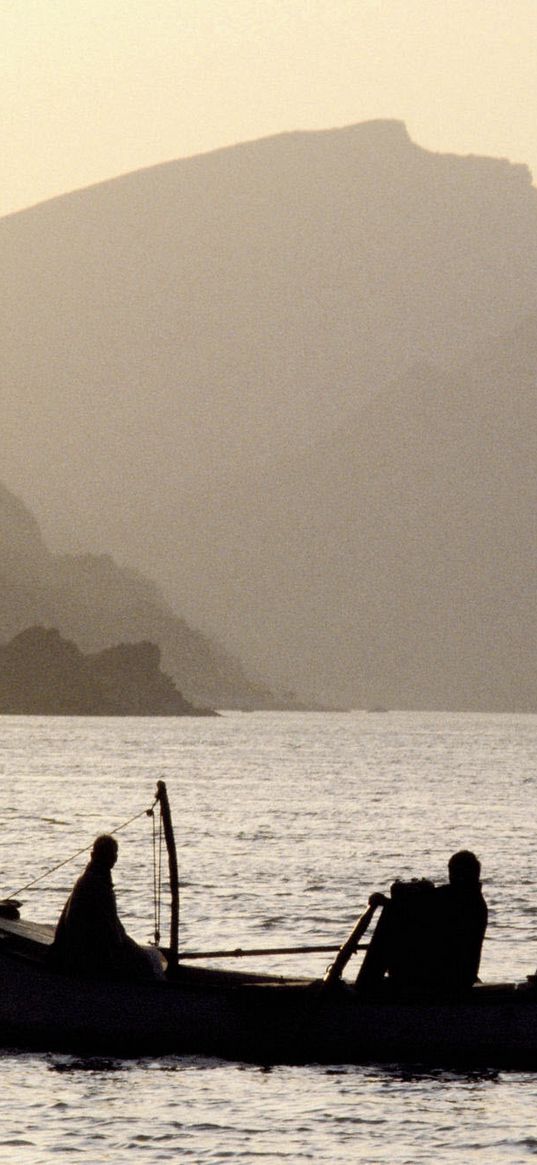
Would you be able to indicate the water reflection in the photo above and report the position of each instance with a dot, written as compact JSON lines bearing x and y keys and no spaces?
{"x":329,"y":806}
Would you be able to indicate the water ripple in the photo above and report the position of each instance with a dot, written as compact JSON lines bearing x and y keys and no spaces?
{"x":275,"y":815}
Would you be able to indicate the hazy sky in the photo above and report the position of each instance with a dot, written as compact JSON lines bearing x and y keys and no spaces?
{"x":94,"y":88}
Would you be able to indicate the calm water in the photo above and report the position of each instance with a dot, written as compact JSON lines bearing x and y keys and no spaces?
{"x":285,"y":824}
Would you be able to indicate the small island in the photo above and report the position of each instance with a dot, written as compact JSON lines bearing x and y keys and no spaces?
{"x":43,"y":674}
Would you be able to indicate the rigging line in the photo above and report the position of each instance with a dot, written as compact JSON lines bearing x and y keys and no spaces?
{"x":156,"y":875}
{"x":153,"y":848}
{"x":159,"y":881}
{"x":84,"y":849}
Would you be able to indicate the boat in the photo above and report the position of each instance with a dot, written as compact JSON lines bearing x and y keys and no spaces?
{"x":259,"y":1018}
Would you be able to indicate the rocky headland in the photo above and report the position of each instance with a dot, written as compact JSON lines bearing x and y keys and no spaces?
{"x":92,"y":601}
{"x":43,"y":674}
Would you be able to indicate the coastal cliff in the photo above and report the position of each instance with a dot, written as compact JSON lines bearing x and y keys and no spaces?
{"x":94,"y":602}
{"x":43,"y":674}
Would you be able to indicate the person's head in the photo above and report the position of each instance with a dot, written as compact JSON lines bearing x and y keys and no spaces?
{"x":464,"y":869}
{"x":104,"y":851}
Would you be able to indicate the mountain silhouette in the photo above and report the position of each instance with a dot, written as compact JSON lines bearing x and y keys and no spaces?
{"x":213,"y":369}
{"x":98,"y":607}
{"x":42,"y":674}
{"x":412,"y":578}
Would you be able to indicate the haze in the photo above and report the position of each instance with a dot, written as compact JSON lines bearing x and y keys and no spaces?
{"x":293,"y":381}
{"x":288,"y":374}
{"x":89,"y":91}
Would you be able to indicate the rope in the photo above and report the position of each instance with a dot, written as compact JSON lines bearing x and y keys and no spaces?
{"x":157,"y":873}
{"x":155,"y":902}
{"x":52,"y":870}
{"x":160,"y":835}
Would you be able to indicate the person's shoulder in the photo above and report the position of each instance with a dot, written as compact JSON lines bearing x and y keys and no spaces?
{"x":89,"y":882}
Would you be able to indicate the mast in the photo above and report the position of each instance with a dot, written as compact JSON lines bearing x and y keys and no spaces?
{"x":162,"y":796}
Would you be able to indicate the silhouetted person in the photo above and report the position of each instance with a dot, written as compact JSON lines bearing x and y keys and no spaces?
{"x":461,"y":921}
{"x":90,"y":940}
{"x":428,"y":939}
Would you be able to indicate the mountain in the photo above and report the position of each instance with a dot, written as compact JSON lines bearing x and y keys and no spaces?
{"x":97,"y":604}
{"x":412,"y":581}
{"x":42,"y":674}
{"x":206,"y":368}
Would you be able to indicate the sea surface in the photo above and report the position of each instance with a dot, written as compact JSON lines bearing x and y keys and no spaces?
{"x":285,"y":823}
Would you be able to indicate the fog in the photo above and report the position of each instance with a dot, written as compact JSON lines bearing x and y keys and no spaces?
{"x":293,"y":381}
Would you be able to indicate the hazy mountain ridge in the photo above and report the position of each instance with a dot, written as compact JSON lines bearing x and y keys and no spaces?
{"x":97,"y":604}
{"x":214,"y":310}
{"x":43,"y":674}
{"x":414,"y":534}
{"x":180,"y":338}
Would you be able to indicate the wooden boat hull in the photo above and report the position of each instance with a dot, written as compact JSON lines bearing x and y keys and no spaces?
{"x":254,"y":1018}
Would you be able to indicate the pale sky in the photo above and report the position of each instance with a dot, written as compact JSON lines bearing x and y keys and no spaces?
{"x":94,"y":88}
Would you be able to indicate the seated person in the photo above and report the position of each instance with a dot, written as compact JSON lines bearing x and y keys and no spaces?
{"x":90,"y":940}
{"x":428,"y":939}
{"x":461,"y":915}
